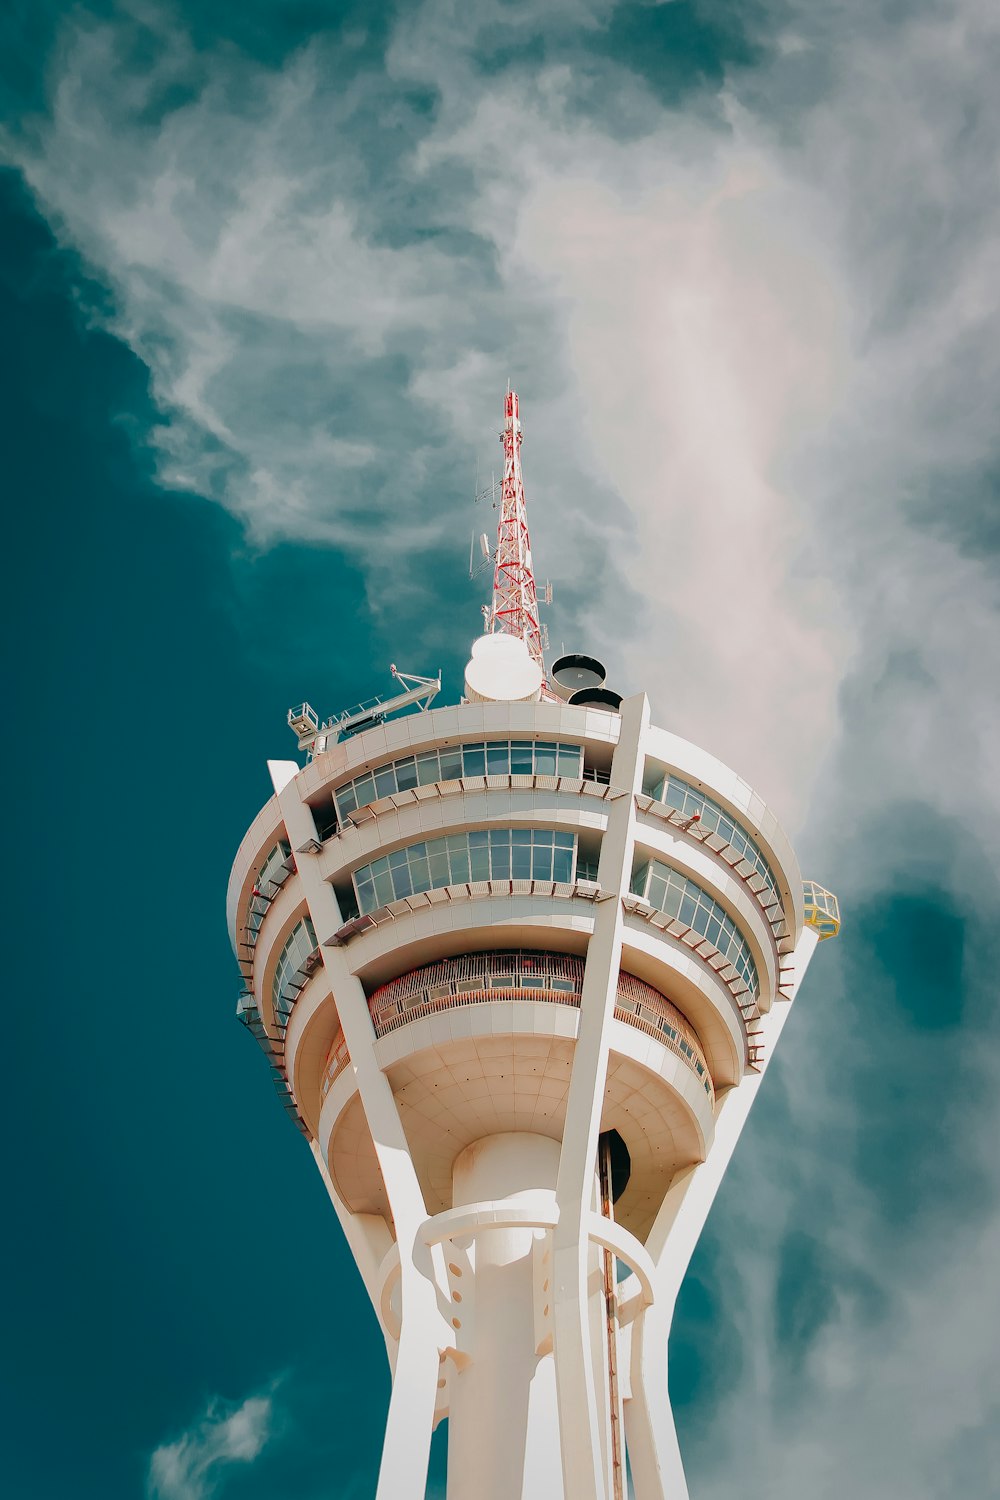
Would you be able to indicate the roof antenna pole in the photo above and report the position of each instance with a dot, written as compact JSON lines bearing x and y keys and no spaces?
{"x":514,"y":609}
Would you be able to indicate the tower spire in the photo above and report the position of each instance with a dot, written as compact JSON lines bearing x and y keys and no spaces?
{"x":514,"y":610}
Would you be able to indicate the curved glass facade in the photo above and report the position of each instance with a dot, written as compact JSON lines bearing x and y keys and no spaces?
{"x":450,"y":762}
{"x":270,"y":878}
{"x":288,"y":978}
{"x":680,"y":898}
{"x":714,"y":818}
{"x":481,"y":854}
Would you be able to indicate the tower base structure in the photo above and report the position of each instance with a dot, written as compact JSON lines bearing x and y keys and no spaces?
{"x":520,"y":969}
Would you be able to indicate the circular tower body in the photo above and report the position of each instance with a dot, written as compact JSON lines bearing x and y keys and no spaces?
{"x":487,"y":948}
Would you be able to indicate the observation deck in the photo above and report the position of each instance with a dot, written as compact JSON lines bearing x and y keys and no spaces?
{"x":456,"y":862}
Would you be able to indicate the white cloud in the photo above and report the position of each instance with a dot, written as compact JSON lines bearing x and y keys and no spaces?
{"x":742,"y":335}
{"x":758,"y":345}
{"x":195,"y":1465}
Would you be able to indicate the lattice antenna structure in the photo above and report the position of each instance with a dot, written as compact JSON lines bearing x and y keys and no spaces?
{"x":514,"y":609}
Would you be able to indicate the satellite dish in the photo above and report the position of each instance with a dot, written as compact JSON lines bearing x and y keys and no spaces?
{"x":597,"y":697}
{"x":502,"y":670}
{"x":574,"y":673}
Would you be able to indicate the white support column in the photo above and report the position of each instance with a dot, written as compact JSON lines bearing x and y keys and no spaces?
{"x":369,"y":1237}
{"x":406,"y":1449}
{"x":657,"y":1470}
{"x":650,"y":1435}
{"x":584,"y":1471}
{"x":493,"y":1434}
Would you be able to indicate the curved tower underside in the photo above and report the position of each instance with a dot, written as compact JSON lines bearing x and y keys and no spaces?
{"x":519,"y":968}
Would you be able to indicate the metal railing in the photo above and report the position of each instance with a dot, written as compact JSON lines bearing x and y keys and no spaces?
{"x":556,"y":978}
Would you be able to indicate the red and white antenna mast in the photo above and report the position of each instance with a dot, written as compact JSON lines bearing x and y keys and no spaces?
{"x":514,"y":610}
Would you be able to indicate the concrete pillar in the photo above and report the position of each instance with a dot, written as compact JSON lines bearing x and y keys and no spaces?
{"x":503,"y":1435}
{"x":582,"y":1406}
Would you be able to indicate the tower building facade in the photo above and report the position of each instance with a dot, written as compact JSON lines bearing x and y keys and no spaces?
{"x":519,"y":966}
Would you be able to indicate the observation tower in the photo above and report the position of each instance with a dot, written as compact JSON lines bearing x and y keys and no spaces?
{"x":519,"y":966}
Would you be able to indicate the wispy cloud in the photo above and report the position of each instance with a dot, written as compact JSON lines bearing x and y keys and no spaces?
{"x":752,"y":331}
{"x":197,"y":1464}
{"x":757,"y":336}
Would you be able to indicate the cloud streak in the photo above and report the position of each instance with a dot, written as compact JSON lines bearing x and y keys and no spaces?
{"x":756,"y":333}
{"x":197,"y":1464}
{"x":747,"y":329}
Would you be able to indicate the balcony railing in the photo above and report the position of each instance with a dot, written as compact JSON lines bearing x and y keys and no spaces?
{"x":482,"y":978}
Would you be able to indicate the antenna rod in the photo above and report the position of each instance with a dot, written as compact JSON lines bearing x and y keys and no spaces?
{"x":514,"y":610}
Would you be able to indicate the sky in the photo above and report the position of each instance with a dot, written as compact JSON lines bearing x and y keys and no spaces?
{"x":265,"y":271}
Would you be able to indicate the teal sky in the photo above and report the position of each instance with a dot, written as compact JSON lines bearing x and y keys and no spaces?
{"x":265,"y":270}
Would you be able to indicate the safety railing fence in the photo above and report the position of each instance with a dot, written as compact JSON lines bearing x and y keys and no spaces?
{"x":481,"y":978}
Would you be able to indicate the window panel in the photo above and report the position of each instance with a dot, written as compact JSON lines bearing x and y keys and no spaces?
{"x":685,"y":798}
{"x":676,"y":896}
{"x":428,"y":768}
{"x":479,"y":855}
{"x":287,"y":981}
{"x":521,"y":759}
{"x":420,"y":873}
{"x":479,"y":758}
{"x":498,"y":760}
{"x":451,"y":764}
{"x":385,"y":781}
{"x":545,"y":760}
{"x":570,"y":760}
{"x":406,"y":773}
{"x":346,"y":799}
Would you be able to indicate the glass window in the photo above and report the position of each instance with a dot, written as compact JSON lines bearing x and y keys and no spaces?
{"x":474,"y":760}
{"x":428,"y":768}
{"x":713,"y":818}
{"x":451,"y":764}
{"x":288,"y":976}
{"x":541,"y":860}
{"x":492,"y":758}
{"x":479,"y":855}
{"x":521,"y":759}
{"x":500,"y":860}
{"x":385,"y":781}
{"x":406,"y":774}
{"x":346,"y":799}
{"x":545,"y":759}
{"x":271,"y":877}
{"x":570,"y":760}
{"x":479,"y":860}
{"x":676,"y":896}
{"x":498,"y":759}
{"x":419,"y":869}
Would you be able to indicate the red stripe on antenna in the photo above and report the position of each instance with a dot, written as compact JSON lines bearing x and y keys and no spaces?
{"x":514,"y":610}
